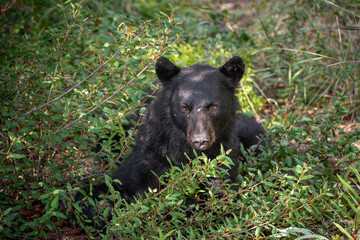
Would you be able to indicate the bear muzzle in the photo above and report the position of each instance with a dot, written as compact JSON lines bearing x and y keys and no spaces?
{"x":200,"y":131}
{"x":200,"y":142}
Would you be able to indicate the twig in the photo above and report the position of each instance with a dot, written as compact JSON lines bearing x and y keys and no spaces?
{"x":38,"y":169}
{"x":21,"y":85}
{"x":8,"y":151}
{"x":72,"y":88}
{"x":107,"y":99}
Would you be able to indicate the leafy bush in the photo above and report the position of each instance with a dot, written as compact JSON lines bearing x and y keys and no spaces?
{"x":71,"y":72}
{"x":290,"y":184}
{"x":58,"y":77}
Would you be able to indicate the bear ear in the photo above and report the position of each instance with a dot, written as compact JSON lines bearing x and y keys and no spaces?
{"x":165,"y":70}
{"x":233,"y":69}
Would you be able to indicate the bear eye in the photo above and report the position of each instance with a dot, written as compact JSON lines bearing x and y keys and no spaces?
{"x":214,"y":108}
{"x":185,"y":109}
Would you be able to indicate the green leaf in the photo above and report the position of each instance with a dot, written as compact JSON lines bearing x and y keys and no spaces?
{"x":108,"y":180}
{"x":343,"y":231}
{"x":11,"y":136}
{"x":305,"y":120}
{"x":59,"y":214}
{"x":55,"y":202}
{"x":260,"y":174}
{"x":336,"y":102}
{"x":346,"y":185}
{"x":7,"y":211}
{"x":16,"y":155}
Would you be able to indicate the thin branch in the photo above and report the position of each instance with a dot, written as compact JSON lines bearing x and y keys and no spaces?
{"x":107,"y":99}
{"x":21,"y":85}
{"x":72,"y":88}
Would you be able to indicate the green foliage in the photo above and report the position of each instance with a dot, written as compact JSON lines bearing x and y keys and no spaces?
{"x":352,"y":199}
{"x":282,"y":193}
{"x":57,"y":76}
{"x":71,"y":71}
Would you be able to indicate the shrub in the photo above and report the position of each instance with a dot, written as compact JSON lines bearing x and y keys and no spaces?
{"x":72,"y":71}
{"x":68,"y":83}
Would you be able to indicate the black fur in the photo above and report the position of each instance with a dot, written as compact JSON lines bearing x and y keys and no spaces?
{"x":195,"y":109}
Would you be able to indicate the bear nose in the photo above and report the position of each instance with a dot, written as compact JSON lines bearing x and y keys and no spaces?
{"x":201,"y":142}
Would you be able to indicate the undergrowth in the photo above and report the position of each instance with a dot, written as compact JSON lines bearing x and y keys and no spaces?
{"x":71,"y":72}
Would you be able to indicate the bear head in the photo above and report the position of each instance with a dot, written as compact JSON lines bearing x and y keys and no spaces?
{"x":202,"y":98}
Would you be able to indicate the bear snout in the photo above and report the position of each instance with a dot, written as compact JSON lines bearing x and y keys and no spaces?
{"x":200,"y":142}
{"x":200,"y":131}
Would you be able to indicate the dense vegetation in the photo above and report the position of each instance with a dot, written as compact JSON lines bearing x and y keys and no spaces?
{"x":71,"y":71}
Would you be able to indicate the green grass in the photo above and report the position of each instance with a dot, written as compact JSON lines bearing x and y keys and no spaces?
{"x":71,"y":71}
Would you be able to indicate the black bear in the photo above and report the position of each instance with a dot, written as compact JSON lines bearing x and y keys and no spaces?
{"x":195,"y":109}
